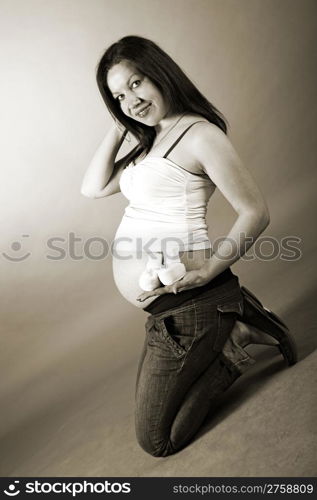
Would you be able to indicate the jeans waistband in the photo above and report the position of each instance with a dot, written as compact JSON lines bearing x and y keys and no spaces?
{"x":215,"y":287}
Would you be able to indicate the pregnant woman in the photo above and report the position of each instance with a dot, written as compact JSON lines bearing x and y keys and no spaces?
{"x":200,"y":319}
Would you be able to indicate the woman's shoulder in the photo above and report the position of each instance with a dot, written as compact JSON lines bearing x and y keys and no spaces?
{"x":204,"y":139}
{"x":200,"y":130}
{"x":199,"y":126}
{"x":202,"y":124}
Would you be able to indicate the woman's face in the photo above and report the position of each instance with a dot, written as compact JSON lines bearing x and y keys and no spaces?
{"x":137,"y":96}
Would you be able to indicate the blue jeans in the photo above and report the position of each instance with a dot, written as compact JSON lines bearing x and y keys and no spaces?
{"x":182,"y":367}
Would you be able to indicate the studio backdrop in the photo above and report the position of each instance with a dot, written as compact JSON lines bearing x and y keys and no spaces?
{"x":70,"y":341}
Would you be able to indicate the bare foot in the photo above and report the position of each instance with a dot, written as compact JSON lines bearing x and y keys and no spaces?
{"x":244,"y":334}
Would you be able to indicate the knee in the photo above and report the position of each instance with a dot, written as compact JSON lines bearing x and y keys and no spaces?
{"x":163,"y":450}
{"x":156,"y":447}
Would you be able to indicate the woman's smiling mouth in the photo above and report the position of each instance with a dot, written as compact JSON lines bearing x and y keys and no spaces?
{"x":143,"y":111}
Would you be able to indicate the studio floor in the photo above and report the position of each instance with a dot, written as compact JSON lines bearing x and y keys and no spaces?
{"x":264,"y":425}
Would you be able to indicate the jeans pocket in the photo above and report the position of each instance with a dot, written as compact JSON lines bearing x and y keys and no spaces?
{"x":227,"y":314}
{"x":179,"y":329}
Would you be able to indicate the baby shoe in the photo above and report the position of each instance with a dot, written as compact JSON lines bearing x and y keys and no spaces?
{"x":172,"y":273}
{"x":174,"y":269}
{"x":148,"y":279}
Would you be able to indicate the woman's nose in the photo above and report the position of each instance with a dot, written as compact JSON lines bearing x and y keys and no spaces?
{"x":134,"y":101}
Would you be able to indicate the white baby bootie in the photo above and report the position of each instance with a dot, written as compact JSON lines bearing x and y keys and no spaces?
{"x":155,"y":274}
{"x":174,"y":269}
{"x":149,"y":280}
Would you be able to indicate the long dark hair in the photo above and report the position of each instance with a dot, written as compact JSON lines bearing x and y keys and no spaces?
{"x":177,"y":89}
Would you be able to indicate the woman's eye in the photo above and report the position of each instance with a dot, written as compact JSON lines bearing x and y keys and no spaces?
{"x":120,"y":97}
{"x":135,"y":84}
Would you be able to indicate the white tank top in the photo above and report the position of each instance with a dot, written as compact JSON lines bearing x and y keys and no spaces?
{"x":167,"y":205}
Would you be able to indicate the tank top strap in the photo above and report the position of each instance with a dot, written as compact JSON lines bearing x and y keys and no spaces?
{"x":180,"y":137}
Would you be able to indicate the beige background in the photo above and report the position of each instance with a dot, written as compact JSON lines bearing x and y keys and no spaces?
{"x":70,"y":342}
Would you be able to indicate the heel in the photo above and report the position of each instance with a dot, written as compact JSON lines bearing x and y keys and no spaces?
{"x":255,"y":314}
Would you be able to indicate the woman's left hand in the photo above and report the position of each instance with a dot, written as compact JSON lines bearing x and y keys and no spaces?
{"x":191,"y":279}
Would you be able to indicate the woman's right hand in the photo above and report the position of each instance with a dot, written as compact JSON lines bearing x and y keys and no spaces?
{"x":119,"y":125}
{"x":101,"y":167}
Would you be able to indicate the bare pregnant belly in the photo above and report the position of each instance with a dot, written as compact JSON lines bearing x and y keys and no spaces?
{"x":127,"y":268}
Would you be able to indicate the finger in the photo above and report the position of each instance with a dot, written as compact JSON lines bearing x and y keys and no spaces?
{"x":142,"y":297}
{"x":185,"y":287}
{"x":180,"y":285}
{"x":175,"y":288}
{"x":157,"y":291}
{"x":145,"y":296}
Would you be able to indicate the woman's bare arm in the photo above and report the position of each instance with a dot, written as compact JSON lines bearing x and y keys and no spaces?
{"x":220,"y":161}
{"x":217,"y":158}
{"x":103,"y":173}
